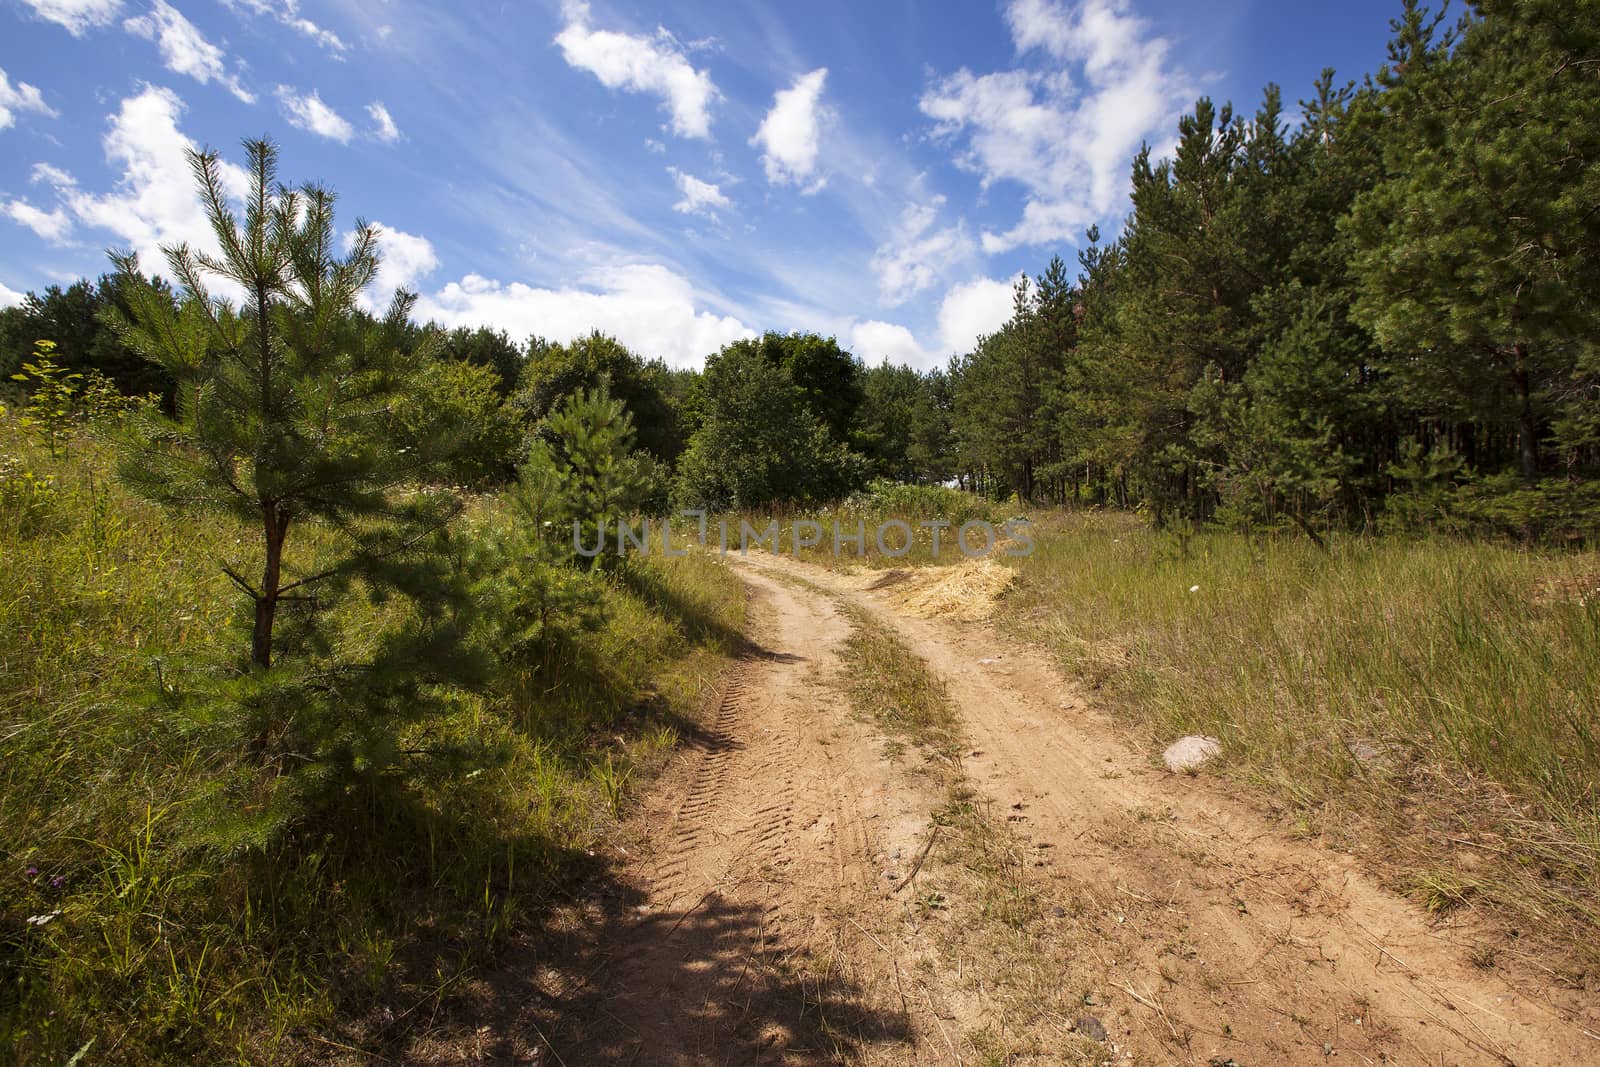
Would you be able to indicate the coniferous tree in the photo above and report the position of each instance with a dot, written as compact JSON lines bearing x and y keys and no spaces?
{"x":1477,"y":253}
{"x":584,"y":464}
{"x":285,"y":403}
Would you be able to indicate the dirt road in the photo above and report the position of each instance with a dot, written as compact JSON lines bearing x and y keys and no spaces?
{"x":1131,"y":916}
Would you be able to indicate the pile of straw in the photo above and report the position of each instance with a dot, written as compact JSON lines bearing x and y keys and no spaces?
{"x":968,"y":591}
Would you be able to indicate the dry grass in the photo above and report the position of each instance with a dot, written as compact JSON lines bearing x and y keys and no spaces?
{"x":969,"y":591}
{"x":888,"y":682}
{"x":1428,"y":703}
{"x":993,"y":936}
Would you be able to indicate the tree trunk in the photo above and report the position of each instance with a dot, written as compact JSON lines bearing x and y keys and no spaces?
{"x":275,"y":526}
{"x":1527,"y":428}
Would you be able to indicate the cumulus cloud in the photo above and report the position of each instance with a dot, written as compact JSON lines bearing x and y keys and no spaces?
{"x":20,"y":97}
{"x":78,"y":16}
{"x":911,"y":260}
{"x":9,"y":297}
{"x":874,"y":341}
{"x":383,"y":127}
{"x":699,"y":197}
{"x":648,"y":307}
{"x":404,"y":260}
{"x":1065,"y":133}
{"x":52,"y":225}
{"x":309,"y":113}
{"x":287,"y":12}
{"x":154,"y":202}
{"x":972,"y":309}
{"x":184,"y":49}
{"x":656,"y":65}
{"x":791,"y":134}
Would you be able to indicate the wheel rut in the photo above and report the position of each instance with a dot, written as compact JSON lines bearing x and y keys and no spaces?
{"x":1182,"y":916}
{"x":760,"y":920}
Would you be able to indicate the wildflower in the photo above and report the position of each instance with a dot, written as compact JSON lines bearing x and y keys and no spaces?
{"x":58,"y":882}
{"x":41,"y":920}
{"x":31,"y":873}
{"x":1194,"y":589}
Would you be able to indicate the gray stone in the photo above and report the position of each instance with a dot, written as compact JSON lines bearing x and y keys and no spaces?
{"x":1188,"y":753}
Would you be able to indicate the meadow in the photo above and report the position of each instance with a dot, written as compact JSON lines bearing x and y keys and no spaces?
{"x":165,"y":897}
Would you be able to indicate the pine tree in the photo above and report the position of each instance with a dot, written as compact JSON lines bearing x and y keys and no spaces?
{"x":1477,"y":254}
{"x":285,"y":413}
{"x":584,"y":466}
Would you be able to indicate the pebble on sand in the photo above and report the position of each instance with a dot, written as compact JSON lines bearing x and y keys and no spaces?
{"x":1188,"y":753}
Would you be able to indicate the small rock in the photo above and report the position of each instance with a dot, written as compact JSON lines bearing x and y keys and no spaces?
{"x":1188,"y":753}
{"x":1089,"y":1026}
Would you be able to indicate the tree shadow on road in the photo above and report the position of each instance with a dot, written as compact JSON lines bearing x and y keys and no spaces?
{"x":616,"y":982}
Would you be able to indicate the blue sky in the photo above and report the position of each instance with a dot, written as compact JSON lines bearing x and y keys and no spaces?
{"x":679,"y":174}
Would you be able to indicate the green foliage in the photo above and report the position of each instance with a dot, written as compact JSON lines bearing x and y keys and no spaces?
{"x":50,"y":407}
{"x":193,"y":919}
{"x":284,"y":406}
{"x":652,"y":394}
{"x":489,"y":350}
{"x":27,"y":497}
{"x":76,"y":319}
{"x":583,"y":475}
{"x":1283,"y":311}
{"x":915,"y":502}
{"x":459,"y":403}
{"x":759,"y":442}
{"x":827,"y":379}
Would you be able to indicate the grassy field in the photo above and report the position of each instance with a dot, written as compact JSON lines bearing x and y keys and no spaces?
{"x":1433,"y":704}
{"x":142,"y":918}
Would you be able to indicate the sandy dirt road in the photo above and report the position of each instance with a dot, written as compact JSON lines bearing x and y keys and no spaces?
{"x":1159,"y":919}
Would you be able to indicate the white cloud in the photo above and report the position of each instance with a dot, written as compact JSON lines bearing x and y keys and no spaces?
{"x":383,"y":127}
{"x":875,"y":341}
{"x":20,"y":97}
{"x":53,"y":226}
{"x":9,"y":297}
{"x":699,"y":198}
{"x":649,"y":308}
{"x":655,"y":65}
{"x":1065,"y":134}
{"x":78,"y":16}
{"x":972,"y":309}
{"x":184,"y":48}
{"x":918,"y":254}
{"x":54,"y":176}
{"x":309,"y":113}
{"x":154,"y":202}
{"x":287,"y":12}
{"x":404,"y":260}
{"x":791,"y":133}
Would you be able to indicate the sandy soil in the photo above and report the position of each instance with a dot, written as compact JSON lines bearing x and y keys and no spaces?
{"x":765,"y":916}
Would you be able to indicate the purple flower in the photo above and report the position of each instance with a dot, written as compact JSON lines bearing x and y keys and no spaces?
{"x":58,"y":881}
{"x":31,"y":872}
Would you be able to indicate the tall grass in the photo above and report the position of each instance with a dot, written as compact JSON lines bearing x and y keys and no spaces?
{"x":131,"y":928}
{"x":1433,"y":702}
